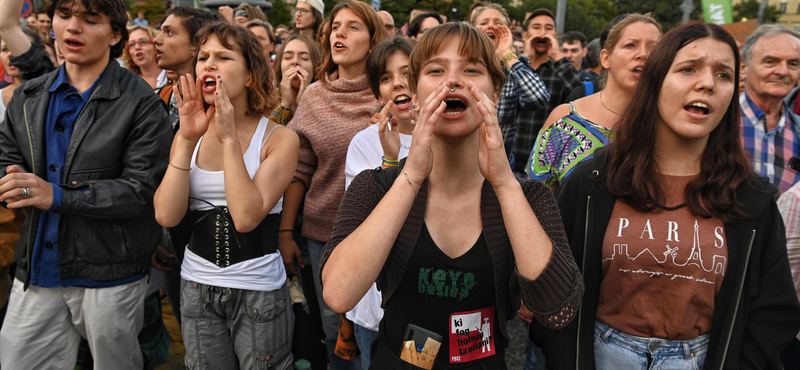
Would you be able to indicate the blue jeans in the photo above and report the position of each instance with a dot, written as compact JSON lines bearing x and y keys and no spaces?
{"x":330,"y":318}
{"x":616,"y":350}
{"x":364,"y":339}
{"x":534,"y":358}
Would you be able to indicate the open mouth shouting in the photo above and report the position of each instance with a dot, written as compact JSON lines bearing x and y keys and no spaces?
{"x":139,"y":55}
{"x":73,"y":44}
{"x":209,"y":84}
{"x":402,"y":101}
{"x":637,"y":71}
{"x":698,"y":110}
{"x":339,"y":46}
{"x":456,"y":106}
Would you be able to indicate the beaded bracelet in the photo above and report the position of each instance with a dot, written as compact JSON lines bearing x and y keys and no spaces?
{"x":389,"y":163}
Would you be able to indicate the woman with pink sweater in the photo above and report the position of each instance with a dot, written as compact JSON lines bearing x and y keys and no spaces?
{"x":331,"y":111}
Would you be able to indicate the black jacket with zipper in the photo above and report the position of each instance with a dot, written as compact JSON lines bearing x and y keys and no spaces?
{"x":116,"y":158}
{"x":756,"y":313}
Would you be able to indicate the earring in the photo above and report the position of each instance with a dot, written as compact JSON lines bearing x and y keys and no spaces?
{"x":52,"y":34}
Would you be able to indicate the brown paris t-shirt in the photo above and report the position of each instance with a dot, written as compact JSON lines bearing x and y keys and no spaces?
{"x":662,"y":270}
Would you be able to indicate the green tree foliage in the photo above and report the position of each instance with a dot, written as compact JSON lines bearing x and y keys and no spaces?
{"x":749,"y":9}
{"x":586,"y":16}
{"x":154,"y":11}
{"x":280,"y":14}
{"x":666,"y":12}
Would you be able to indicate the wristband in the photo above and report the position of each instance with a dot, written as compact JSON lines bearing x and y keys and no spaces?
{"x":389,"y":163}
{"x":508,"y":57}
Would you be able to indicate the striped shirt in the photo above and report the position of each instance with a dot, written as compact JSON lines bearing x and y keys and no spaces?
{"x":770,"y":151}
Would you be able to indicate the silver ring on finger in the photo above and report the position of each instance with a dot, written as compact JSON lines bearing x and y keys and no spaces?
{"x":26,"y":193}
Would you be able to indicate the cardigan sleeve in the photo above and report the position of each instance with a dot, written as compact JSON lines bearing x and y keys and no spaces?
{"x":554,"y":296}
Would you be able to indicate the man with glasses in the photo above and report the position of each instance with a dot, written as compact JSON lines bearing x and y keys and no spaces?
{"x":388,"y":22}
{"x":308,"y":17}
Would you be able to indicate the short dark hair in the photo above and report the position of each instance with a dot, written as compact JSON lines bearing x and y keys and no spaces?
{"x":593,"y":53}
{"x":193,"y":20}
{"x":376,"y":62}
{"x":114,"y":9}
{"x":572,"y":36}
{"x":261,"y":97}
{"x":536,"y":13}
{"x":416,"y":23}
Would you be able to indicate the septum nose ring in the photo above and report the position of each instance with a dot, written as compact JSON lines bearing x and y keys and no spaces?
{"x":453,"y":88}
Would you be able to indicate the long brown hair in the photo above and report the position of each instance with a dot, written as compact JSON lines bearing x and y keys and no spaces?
{"x":261,"y":94}
{"x":313,"y":51}
{"x":631,"y":167}
{"x":371,"y":20}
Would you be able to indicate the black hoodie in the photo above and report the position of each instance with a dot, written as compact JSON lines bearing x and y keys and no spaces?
{"x":756,"y":313}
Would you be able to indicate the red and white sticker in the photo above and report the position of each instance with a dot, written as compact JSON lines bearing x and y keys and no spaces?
{"x":471,"y":335}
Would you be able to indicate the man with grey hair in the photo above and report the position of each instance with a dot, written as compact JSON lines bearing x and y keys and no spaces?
{"x":769,"y":127}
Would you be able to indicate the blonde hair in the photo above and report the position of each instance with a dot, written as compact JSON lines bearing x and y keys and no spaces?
{"x":479,"y":10}
{"x":126,"y":53}
{"x":615,"y":34}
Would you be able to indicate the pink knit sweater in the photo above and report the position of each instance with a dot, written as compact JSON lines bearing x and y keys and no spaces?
{"x":327,"y":118}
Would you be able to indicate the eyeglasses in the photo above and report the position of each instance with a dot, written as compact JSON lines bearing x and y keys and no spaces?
{"x":303,"y":11}
{"x":141,"y":42}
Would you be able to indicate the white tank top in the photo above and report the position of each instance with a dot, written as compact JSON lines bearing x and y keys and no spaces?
{"x":260,"y":274}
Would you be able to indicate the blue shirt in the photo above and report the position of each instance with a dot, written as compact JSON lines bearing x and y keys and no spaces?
{"x":66,"y":104}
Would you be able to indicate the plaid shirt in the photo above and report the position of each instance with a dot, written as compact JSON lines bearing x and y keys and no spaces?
{"x":771,"y":151}
{"x":560,"y":78}
{"x":523,"y":89}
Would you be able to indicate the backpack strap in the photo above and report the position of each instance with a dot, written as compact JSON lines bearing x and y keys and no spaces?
{"x":386,"y":177}
{"x":589,"y":87}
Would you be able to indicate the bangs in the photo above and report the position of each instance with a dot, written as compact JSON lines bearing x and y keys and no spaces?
{"x":474,"y":45}
{"x":224,"y":36}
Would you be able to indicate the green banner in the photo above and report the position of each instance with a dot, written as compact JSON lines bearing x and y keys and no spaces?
{"x":718,"y":11}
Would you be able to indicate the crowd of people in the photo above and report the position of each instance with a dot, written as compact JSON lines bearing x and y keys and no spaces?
{"x":345,"y":193}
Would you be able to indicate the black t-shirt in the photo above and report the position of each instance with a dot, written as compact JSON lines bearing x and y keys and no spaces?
{"x":452,"y":297}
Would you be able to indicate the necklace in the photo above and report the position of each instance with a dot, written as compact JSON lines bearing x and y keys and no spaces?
{"x":673,"y":208}
{"x":604,"y":104}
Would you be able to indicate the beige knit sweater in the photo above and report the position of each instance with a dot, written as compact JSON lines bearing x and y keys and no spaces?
{"x":327,"y":118}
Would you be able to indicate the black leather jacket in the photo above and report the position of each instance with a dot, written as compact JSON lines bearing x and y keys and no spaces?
{"x":116,"y":158}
